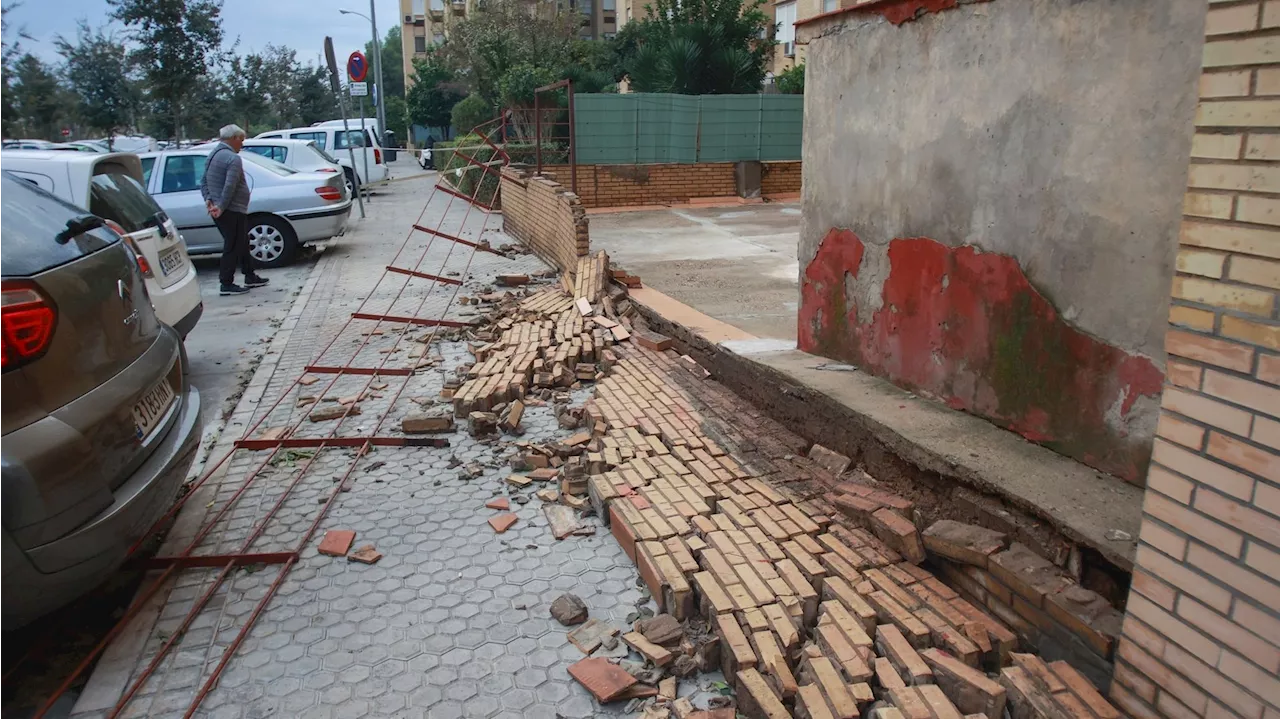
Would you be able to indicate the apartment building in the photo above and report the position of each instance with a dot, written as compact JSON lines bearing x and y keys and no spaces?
{"x":426,"y":23}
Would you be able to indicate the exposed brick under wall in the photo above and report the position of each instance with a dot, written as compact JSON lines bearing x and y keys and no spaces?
{"x":1202,"y":634}
{"x":545,"y":216}
{"x":627,"y":185}
{"x":780,"y":178}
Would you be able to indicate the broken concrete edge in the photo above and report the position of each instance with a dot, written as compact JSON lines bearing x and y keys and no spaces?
{"x":789,"y":399}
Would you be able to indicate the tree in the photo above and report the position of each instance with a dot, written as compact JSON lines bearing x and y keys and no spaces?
{"x":392,"y":64}
{"x":700,"y":48}
{"x":10,"y":51}
{"x":791,"y":80}
{"x":430,"y":100}
{"x":97,"y":72}
{"x":173,"y":43}
{"x":506,"y":33}
{"x":38,"y":101}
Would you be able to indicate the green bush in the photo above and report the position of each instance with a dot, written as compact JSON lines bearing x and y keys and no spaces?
{"x":791,"y":80}
{"x":473,"y":110}
{"x":463,"y":175}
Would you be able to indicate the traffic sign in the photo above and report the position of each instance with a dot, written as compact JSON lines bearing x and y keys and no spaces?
{"x":359,"y":89}
{"x":357,"y":66}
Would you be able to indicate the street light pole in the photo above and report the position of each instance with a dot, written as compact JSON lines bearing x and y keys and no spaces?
{"x":377,"y":70}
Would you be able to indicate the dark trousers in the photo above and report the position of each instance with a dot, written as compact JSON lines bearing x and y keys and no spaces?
{"x":234,"y":227}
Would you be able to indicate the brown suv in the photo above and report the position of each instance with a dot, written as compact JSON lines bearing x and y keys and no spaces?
{"x":100,"y":424}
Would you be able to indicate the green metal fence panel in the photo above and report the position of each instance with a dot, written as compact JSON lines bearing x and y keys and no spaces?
{"x":781,"y":119}
{"x":640,"y":128}
{"x":605,"y":130}
{"x":730,"y":128}
{"x":667,"y":127}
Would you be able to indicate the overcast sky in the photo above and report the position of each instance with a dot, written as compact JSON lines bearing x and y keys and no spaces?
{"x":299,"y":24}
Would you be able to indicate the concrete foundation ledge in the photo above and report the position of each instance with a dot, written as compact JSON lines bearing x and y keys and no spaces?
{"x":954,"y":464}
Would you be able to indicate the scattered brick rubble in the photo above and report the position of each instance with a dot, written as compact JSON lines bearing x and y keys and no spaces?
{"x":811,"y":598}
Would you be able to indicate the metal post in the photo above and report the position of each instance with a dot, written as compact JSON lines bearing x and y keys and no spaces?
{"x":346,"y":127}
{"x":377,"y":71}
{"x":537,"y":132}
{"x":363,"y":145}
{"x":573,"y":150}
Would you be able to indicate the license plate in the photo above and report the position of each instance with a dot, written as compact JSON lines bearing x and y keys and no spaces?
{"x":171,"y":259}
{"x":148,"y":412}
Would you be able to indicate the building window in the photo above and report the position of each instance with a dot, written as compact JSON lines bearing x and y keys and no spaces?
{"x":419,"y":43}
{"x":609,"y":5}
{"x":786,"y":16}
{"x":419,"y":7}
{"x":437,"y":39}
{"x":586,"y":6}
{"x":830,"y":5}
{"x":610,"y":35}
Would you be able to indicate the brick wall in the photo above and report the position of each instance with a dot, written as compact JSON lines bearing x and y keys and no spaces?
{"x":628,"y":185}
{"x":1202,"y":634}
{"x":780,"y":178}
{"x":545,"y":216}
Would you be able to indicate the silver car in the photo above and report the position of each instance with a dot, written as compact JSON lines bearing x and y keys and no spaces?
{"x":100,"y":421}
{"x":287,"y":208}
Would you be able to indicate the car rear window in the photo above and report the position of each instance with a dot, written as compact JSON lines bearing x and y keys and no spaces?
{"x":116,"y":196}
{"x":31,"y":221}
{"x":323,"y":155}
{"x":352,"y":138}
{"x":269,"y":164}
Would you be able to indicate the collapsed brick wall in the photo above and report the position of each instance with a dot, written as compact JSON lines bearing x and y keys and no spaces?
{"x":545,"y":216}
{"x":1202,"y":637}
{"x":780,"y":178}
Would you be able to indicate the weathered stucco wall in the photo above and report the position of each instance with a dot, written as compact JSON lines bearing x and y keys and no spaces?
{"x":991,"y":200}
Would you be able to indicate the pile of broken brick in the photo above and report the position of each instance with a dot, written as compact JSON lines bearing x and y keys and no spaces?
{"x":810,"y":608}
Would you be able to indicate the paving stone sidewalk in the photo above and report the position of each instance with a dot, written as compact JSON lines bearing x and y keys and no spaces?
{"x":454,"y":620}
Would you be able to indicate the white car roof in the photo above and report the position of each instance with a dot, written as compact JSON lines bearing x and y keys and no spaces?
{"x":77,"y":168}
{"x":256,"y":141}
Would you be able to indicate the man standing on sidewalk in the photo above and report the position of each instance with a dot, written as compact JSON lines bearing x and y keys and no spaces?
{"x":226,"y":195}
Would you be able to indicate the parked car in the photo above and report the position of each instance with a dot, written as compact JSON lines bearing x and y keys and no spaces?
{"x":301,"y":155}
{"x":111,"y":186}
{"x":28,"y":145}
{"x":287,"y":208}
{"x":335,"y":141}
{"x":86,"y":146}
{"x":100,"y":422}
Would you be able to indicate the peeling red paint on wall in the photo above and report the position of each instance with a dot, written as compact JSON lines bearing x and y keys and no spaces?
{"x":968,"y":327}
{"x":904,"y":10}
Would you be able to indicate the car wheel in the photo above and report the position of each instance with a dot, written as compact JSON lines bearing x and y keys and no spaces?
{"x":272,"y":242}
{"x":349,"y":178}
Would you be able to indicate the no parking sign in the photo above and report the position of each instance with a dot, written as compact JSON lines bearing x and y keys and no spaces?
{"x":357,"y":66}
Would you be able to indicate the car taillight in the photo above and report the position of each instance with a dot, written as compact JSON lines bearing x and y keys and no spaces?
{"x":329,"y":193}
{"x":377,"y":156}
{"x":28,"y":321}
{"x":140,"y":259}
{"x":327,"y":169}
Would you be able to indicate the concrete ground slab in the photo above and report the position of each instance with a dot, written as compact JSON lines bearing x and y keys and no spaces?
{"x":735,"y":264}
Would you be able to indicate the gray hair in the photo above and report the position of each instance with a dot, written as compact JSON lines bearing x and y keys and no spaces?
{"x":229,"y":131}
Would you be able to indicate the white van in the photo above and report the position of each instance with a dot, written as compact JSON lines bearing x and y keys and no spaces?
{"x":331,"y":138}
{"x":111,"y":186}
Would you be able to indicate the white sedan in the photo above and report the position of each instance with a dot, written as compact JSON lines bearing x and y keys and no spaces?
{"x":287,"y":208}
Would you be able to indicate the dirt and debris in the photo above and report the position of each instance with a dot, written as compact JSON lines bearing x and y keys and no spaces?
{"x":365,"y":555}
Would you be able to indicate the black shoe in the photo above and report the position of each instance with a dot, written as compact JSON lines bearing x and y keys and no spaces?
{"x":225,"y":290}
{"x":255,"y":281}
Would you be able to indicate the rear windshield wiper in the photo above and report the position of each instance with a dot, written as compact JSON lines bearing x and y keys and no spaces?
{"x":78,"y":226}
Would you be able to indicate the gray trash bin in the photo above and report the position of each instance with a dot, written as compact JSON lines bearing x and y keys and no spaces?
{"x":389,"y":145}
